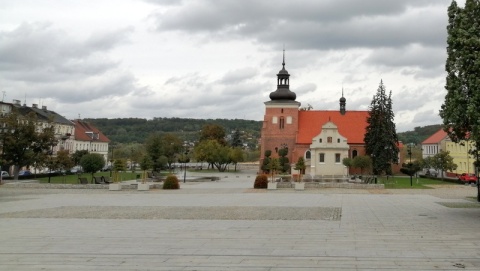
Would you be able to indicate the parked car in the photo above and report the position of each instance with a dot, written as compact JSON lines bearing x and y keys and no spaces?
{"x":24,"y":173}
{"x":5,"y":174}
{"x":468,"y":178}
{"x":76,"y":170}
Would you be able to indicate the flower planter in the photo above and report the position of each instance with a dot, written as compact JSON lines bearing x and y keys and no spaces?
{"x":300,"y":186}
{"x":143,"y":187}
{"x":115,"y":186}
{"x":272,"y":186}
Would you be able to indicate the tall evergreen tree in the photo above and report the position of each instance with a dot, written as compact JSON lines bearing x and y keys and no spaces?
{"x":381,"y":140}
{"x":460,"y":111}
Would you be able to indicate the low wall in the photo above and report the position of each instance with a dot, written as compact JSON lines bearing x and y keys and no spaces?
{"x":74,"y":186}
{"x":333,"y":185}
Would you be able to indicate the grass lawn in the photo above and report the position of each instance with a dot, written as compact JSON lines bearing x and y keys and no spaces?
{"x":403,"y":182}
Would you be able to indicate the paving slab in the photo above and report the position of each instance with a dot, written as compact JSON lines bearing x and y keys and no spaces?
{"x":227,"y":225}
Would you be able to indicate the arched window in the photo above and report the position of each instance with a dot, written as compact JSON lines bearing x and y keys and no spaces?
{"x":282,"y":123}
{"x":308,"y":155}
{"x":329,"y":139}
{"x":354,"y":153}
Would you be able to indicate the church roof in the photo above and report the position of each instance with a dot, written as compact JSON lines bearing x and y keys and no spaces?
{"x":436,"y":137}
{"x":352,"y":125}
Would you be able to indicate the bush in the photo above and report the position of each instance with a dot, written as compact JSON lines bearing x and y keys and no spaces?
{"x":171,"y":182}
{"x":261,"y":181}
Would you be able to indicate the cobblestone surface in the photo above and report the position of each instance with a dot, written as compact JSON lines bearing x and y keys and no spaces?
{"x":207,"y":213}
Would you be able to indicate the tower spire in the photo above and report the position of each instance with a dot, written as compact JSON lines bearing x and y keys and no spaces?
{"x":283,"y":63}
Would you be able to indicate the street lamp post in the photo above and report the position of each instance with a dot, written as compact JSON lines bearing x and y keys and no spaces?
{"x":111,"y":161}
{"x":410,"y":164}
{"x":185,"y":160}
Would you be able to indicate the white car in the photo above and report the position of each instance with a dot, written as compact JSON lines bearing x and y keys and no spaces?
{"x":5,"y":174}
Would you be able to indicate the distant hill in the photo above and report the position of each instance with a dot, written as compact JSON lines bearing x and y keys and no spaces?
{"x":136,"y":130}
{"x":418,"y":134}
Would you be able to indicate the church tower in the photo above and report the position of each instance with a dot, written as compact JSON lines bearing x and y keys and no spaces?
{"x":280,"y":123}
{"x":343,"y":102}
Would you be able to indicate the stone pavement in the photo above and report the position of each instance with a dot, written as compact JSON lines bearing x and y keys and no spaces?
{"x":221,"y":226}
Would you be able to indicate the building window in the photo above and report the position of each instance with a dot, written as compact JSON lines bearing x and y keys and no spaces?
{"x":274,"y":120}
{"x":321,"y":157}
{"x":320,"y":140}
{"x":329,"y":139}
{"x":308,"y":155}
{"x":289,"y":120}
{"x":337,"y":157}
{"x":282,"y":123}
{"x":338,"y":140}
{"x":354,"y":153}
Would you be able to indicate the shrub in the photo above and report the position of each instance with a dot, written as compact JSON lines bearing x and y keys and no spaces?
{"x":171,"y":182}
{"x":261,"y":181}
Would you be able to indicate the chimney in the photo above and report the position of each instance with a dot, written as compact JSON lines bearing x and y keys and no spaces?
{"x":34,"y":105}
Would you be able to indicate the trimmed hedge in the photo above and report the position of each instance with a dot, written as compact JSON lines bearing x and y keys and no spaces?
{"x":261,"y":181}
{"x":171,"y":182}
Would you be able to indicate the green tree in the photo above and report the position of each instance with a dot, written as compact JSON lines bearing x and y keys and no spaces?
{"x":236,"y":156}
{"x":213,"y":153}
{"x":26,"y":141}
{"x":236,"y":140}
{"x":145,"y":164}
{"x":300,"y":166}
{"x":362,"y":162}
{"x":283,"y":160}
{"x":154,"y":148}
{"x":460,"y":110}
{"x":381,"y":141}
{"x":92,"y":162}
{"x":171,"y":146}
{"x":348,"y":162}
{"x":77,"y":156}
{"x":442,"y":161}
{"x":213,"y":132}
{"x":266,"y":161}
{"x":273,"y":167}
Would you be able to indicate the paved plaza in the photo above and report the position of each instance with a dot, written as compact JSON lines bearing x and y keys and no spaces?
{"x":227,"y":225}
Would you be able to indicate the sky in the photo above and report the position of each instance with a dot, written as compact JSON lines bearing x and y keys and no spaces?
{"x":212,"y":59}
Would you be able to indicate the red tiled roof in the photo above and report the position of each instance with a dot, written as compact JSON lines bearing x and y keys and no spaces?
{"x":436,"y":137}
{"x":352,"y":125}
{"x":84,"y":132}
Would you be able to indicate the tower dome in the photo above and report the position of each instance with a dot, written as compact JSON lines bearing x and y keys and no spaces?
{"x":283,"y":92}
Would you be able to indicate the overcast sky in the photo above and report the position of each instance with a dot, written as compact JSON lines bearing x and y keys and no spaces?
{"x":219,"y":58}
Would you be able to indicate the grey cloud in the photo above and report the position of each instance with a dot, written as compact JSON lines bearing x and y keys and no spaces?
{"x":305,"y":88}
{"x":239,"y":75}
{"x":412,"y":55}
{"x":313,"y":24}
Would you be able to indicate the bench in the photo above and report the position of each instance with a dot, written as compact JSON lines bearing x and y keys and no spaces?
{"x":82,"y":180}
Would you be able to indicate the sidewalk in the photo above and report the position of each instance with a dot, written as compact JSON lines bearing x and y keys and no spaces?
{"x":227,"y":225}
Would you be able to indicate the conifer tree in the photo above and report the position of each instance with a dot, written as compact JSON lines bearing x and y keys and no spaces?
{"x":381,"y":140}
{"x":460,"y":111}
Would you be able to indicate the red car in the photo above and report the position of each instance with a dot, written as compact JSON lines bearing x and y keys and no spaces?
{"x":468,"y":178}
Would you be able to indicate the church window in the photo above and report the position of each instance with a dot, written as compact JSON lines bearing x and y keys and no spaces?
{"x":308,"y":155}
{"x":337,"y":157}
{"x":354,"y":153}
{"x":320,"y":140}
{"x":282,"y":123}
{"x":338,"y":140}
{"x":321,"y":157}
{"x":329,"y":139}
{"x":274,"y":120}
{"x":281,"y":110}
{"x":289,"y":120}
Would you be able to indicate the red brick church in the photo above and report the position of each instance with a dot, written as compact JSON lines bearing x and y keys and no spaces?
{"x":322,"y":137}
